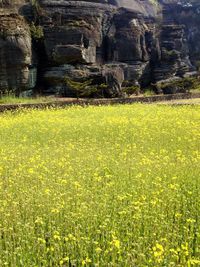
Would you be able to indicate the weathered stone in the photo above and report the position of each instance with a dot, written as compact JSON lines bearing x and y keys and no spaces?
{"x":109,"y":42}
{"x":15,"y":53}
{"x":114,"y":76}
{"x":113,"y":35}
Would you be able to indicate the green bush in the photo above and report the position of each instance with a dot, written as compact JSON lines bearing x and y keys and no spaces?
{"x":129,"y":88}
{"x":36,"y":31}
{"x":83,"y":89}
{"x":179,"y":86}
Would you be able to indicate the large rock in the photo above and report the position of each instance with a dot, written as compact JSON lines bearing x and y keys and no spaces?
{"x":109,"y":42}
{"x":107,"y":79}
{"x":119,"y":34}
{"x":15,"y":53}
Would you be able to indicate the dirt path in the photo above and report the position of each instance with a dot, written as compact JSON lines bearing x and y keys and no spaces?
{"x":176,"y":99}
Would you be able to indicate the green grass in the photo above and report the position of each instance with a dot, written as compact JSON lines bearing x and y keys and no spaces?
{"x":191,"y":101}
{"x":100,"y":186}
{"x":25,"y":100}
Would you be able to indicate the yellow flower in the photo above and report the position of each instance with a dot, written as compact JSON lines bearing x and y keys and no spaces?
{"x":194,"y":262}
{"x":41,"y":240}
{"x":116,"y":243}
{"x":71,"y":237}
{"x":98,"y":250}
{"x":190,"y":220}
{"x":84,"y":262}
{"x":158,"y":250}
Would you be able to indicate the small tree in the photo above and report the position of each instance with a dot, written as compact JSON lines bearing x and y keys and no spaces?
{"x":36,"y":31}
{"x":80,"y":88}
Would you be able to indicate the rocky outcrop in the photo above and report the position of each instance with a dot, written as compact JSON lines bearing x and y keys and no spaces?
{"x":111,"y":43}
{"x":98,"y":36}
{"x":15,"y":53}
{"x":179,"y":46}
{"x":15,"y":49}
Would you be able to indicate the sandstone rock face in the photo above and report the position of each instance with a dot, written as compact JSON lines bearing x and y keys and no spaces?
{"x":115,"y":35}
{"x":15,"y":48}
{"x":109,"y":42}
{"x":186,"y":14}
{"x":15,"y":53}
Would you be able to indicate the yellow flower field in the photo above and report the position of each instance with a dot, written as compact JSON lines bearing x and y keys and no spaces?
{"x":100,"y":186}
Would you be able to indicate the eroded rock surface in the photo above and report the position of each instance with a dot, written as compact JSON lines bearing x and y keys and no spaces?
{"x":112,"y":43}
{"x":15,"y":48}
{"x":115,"y":35}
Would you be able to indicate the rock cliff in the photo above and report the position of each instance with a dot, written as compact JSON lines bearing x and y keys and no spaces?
{"x":117,"y":46}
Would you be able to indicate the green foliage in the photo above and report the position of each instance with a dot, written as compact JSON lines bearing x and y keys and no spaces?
{"x":171,"y":53}
{"x":181,"y":85}
{"x":6,"y":93}
{"x":37,"y":9}
{"x":35,"y":4}
{"x":101,"y":90}
{"x":198,"y":65}
{"x":103,"y":86}
{"x":36,"y":31}
{"x":81,"y":89}
{"x":11,"y":99}
{"x":129,"y":88}
{"x":154,"y":2}
{"x":148,"y":92}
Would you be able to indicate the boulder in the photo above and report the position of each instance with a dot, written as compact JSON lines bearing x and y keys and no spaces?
{"x":117,"y":37}
{"x":15,"y":53}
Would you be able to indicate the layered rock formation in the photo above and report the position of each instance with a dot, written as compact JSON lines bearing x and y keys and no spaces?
{"x":105,"y":41}
{"x":15,"y":49}
{"x":114,"y":44}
